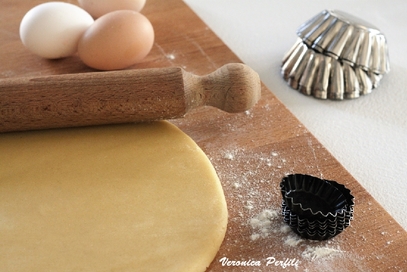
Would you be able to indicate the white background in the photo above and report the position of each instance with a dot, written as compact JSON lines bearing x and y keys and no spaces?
{"x":367,"y":135}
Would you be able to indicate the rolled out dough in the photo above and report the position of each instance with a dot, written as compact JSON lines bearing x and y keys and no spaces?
{"x":112,"y":198}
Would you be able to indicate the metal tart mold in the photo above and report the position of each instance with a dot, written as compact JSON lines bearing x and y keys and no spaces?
{"x":315,"y":208}
{"x":336,"y":56}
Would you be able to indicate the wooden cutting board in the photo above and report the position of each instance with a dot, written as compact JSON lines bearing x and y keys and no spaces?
{"x":251,"y":152}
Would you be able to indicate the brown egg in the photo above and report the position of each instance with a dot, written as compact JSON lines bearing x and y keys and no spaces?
{"x":97,"y":8}
{"x":116,"y":40}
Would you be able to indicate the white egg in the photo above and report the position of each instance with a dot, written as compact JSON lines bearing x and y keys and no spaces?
{"x":52,"y":30}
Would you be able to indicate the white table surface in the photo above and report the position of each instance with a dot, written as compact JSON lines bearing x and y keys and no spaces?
{"x":368,"y":135}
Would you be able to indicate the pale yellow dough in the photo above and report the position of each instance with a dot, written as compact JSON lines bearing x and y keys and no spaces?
{"x":112,"y":198}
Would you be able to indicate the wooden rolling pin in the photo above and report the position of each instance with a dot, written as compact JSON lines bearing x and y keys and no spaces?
{"x":96,"y":98}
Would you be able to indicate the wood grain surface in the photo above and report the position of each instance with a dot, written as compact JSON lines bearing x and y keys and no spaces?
{"x":251,"y":152}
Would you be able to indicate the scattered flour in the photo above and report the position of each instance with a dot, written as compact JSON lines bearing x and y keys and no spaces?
{"x":292,"y":240}
{"x":285,"y":228}
{"x":170,"y":56}
{"x":263,"y":223}
{"x":229,"y":156}
{"x":249,"y":205}
{"x":269,"y":222}
{"x":318,"y":252}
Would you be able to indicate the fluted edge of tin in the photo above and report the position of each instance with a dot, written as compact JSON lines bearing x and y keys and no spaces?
{"x":325,"y":77}
{"x":331,"y":33}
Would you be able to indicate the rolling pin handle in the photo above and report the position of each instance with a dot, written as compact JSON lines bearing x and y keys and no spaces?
{"x":234,"y":87}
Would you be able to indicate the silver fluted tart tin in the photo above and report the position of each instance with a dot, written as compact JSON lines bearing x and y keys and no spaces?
{"x":337,"y":56}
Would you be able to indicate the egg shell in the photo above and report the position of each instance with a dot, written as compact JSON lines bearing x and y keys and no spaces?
{"x":116,"y":40}
{"x":97,"y":8}
{"x":52,"y":30}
